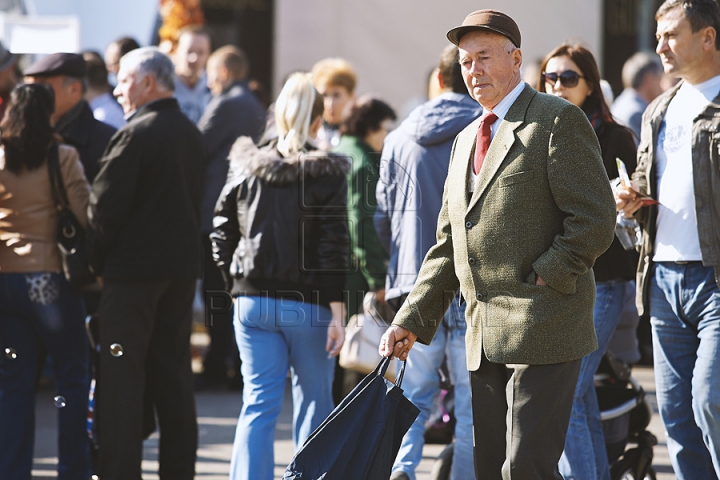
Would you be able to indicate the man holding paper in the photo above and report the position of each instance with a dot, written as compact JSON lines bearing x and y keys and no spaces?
{"x":679,"y":268}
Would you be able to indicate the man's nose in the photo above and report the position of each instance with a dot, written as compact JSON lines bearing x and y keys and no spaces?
{"x":661,"y":46}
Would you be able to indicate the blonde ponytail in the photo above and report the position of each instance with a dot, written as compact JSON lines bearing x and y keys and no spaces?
{"x":293,"y":110}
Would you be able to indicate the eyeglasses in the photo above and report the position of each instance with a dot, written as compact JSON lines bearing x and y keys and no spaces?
{"x":568,"y":78}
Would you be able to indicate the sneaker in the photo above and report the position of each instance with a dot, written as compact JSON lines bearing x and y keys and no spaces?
{"x":399,"y":475}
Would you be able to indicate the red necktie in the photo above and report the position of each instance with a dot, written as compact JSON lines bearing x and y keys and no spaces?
{"x":483,"y":141}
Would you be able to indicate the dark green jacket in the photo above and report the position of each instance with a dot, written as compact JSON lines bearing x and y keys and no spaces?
{"x":368,"y":257}
{"x":542,"y":205}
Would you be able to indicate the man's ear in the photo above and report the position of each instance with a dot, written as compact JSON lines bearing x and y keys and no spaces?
{"x":440,"y":80}
{"x":223,"y":74}
{"x":709,"y":37}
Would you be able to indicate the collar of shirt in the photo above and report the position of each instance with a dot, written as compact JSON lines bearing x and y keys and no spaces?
{"x":502,"y":108}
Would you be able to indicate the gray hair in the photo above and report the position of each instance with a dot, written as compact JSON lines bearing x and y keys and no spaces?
{"x":639,"y":65}
{"x":151,"y":61}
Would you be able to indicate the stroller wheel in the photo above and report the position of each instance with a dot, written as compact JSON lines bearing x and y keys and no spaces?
{"x":441,"y":468}
{"x":626,"y":469}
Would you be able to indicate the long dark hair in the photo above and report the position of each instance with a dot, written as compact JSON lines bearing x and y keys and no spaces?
{"x":584,"y":59}
{"x":25,"y":131}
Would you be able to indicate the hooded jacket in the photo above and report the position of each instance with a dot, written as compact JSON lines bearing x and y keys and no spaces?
{"x":280,"y":225}
{"x":413,"y":167}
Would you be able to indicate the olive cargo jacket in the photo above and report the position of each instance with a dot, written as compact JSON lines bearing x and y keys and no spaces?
{"x":706,"y":180}
{"x":542,"y":206}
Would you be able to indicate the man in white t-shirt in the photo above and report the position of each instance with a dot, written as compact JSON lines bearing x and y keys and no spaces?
{"x":679,"y":271}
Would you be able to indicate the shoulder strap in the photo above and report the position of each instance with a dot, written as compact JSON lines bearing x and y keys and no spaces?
{"x":56,"y":181}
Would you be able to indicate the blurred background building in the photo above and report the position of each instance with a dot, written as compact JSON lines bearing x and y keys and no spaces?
{"x":392,"y":44}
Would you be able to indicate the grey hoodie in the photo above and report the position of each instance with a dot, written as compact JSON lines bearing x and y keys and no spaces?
{"x":413,"y":167}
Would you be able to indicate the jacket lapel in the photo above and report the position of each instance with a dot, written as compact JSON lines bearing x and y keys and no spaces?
{"x":501,"y":143}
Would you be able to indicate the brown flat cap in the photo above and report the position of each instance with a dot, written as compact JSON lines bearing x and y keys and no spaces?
{"x":57,"y":64}
{"x":489,"y":20}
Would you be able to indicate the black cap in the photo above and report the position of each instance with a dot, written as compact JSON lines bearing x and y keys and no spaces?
{"x":57,"y":64}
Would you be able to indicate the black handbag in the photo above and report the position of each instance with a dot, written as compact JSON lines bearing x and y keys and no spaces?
{"x":70,"y":234}
{"x":360,"y":439}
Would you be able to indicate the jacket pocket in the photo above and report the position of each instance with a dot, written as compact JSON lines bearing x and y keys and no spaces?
{"x":515,"y":178}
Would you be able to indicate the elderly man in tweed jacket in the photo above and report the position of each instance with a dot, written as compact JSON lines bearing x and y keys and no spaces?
{"x":518,"y":233}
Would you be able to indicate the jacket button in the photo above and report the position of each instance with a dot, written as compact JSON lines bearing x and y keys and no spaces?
{"x":471,"y":261}
{"x":479,"y":296}
{"x":468,"y":224}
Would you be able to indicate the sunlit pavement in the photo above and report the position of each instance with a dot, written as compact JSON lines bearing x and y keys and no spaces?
{"x":217,"y":417}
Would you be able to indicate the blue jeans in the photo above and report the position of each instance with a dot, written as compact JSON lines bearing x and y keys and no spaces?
{"x":585,"y":456}
{"x":274,"y":336}
{"x":685,"y":319}
{"x":40,"y":311}
{"x":421,"y":385}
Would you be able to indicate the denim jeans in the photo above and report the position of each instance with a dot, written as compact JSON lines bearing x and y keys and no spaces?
{"x":41,"y":310}
{"x":685,"y":319}
{"x":585,"y":456}
{"x":421,"y":385}
{"x":275,"y":336}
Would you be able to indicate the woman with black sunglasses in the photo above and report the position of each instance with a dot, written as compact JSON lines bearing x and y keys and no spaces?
{"x":571,"y":72}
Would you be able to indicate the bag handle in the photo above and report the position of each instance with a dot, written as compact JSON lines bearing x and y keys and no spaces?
{"x":56,"y":181}
{"x":382,"y":367}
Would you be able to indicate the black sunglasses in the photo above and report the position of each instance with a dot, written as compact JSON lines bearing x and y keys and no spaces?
{"x":568,"y":78}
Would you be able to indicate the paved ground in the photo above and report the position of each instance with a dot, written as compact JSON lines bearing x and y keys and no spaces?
{"x":217,"y":417}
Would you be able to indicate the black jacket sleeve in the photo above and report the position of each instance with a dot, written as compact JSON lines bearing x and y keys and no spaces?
{"x":226,"y":230}
{"x":334,"y":240}
{"x":112,"y":194}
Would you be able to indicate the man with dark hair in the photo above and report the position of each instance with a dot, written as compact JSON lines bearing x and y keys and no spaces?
{"x":233,"y":112}
{"x":190,"y":57}
{"x":413,"y":167}
{"x":73,"y":119}
{"x":642,"y":75}
{"x":114,"y":52}
{"x":99,"y":92}
{"x":526,"y":210}
{"x":679,"y":268}
{"x":144,"y":219}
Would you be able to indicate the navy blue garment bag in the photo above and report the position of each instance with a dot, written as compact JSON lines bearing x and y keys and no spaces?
{"x":360,"y":439}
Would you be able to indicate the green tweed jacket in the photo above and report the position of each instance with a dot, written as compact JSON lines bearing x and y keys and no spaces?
{"x":542,"y":206}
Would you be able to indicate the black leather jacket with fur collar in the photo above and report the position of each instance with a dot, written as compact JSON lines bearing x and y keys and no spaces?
{"x":280,"y":224}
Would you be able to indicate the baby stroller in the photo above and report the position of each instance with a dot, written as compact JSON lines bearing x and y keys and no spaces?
{"x":625,"y":415}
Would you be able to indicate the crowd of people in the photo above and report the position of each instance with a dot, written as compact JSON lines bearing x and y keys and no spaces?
{"x":484,"y":221}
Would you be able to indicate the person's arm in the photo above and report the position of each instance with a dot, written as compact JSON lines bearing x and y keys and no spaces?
{"x":580,"y":188}
{"x":336,"y":329}
{"x":368,"y":249}
{"x":385,"y":201}
{"x":76,"y":185}
{"x":216,"y":126}
{"x":333,"y":243}
{"x":226,"y":229}
{"x":113,"y":193}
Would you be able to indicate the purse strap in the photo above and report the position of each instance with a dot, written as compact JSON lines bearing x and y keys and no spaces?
{"x":56,"y":181}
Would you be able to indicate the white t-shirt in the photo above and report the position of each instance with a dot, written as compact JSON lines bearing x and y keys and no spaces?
{"x":677,"y":229}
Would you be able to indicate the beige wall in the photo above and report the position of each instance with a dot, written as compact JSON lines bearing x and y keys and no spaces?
{"x":394,"y":44}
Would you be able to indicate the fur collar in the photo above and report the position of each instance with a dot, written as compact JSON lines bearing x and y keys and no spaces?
{"x":266,"y":162}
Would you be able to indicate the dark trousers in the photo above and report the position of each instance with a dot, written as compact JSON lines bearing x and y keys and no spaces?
{"x":520,"y":418}
{"x":222,"y":336}
{"x":151,"y":322}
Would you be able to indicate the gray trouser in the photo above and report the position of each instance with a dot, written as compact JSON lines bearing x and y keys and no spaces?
{"x":520,"y":418}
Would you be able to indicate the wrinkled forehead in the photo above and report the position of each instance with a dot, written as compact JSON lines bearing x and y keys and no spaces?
{"x":473,"y":43}
{"x":672,"y":20}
